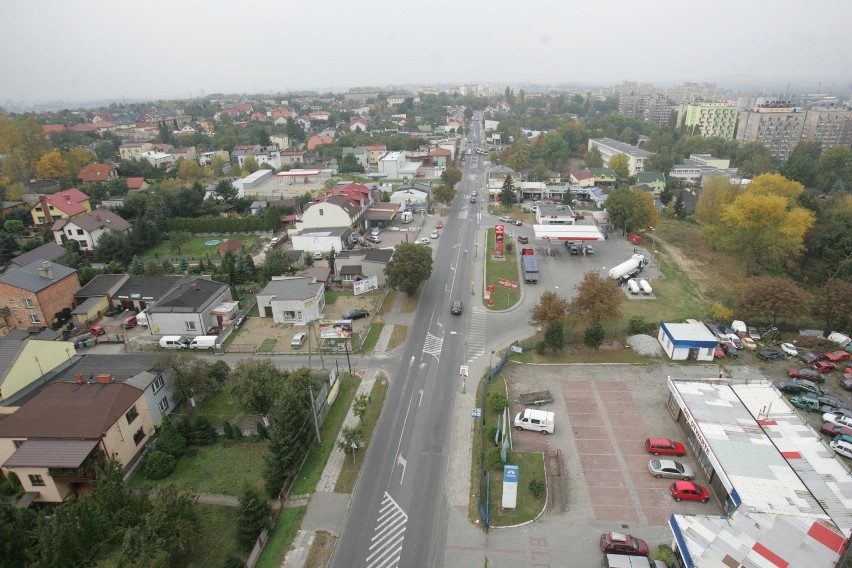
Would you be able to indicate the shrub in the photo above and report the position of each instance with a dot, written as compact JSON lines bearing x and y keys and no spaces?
{"x":184,"y":428}
{"x":12,"y":485}
{"x":537,"y":488}
{"x":238,"y":432}
{"x":637,"y":325}
{"x":203,"y":432}
{"x":491,"y":432}
{"x":158,"y":465}
{"x":170,"y":441}
{"x":666,"y":554}
{"x":497,"y":401}
{"x":261,"y":431}
{"x":493,"y":459}
{"x":540,"y":347}
{"x":229,"y":431}
{"x":233,"y":561}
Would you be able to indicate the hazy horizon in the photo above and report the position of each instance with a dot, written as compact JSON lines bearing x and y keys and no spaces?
{"x":162,"y":50}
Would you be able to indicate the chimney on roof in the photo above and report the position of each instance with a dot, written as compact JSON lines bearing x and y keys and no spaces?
{"x":104,"y":379}
{"x":46,"y":271}
{"x":78,"y":378}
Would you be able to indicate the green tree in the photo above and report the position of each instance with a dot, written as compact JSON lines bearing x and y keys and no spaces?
{"x":508,"y":196}
{"x":833,"y":304}
{"x":250,"y":164}
{"x":255,"y":515}
{"x":444,"y":194}
{"x":177,"y":240}
{"x":679,"y":206}
{"x":835,"y":169}
{"x":17,"y":534}
{"x":22,"y":144}
{"x":218,"y":165}
{"x":351,"y":438}
{"x":802,"y":164}
{"x":410,"y":266}
{"x":594,"y":335}
{"x":593,"y":158}
{"x":621,"y":164}
{"x":14,"y":226}
{"x":290,"y":434}
{"x":554,"y":335}
{"x":772,"y":297}
{"x":191,"y":375}
{"x":255,"y":383}
{"x":169,"y":441}
{"x":597,"y":299}
{"x":276,"y":263}
{"x":226,"y":191}
{"x":451,"y":176}
{"x":716,"y":194}
{"x":550,"y":307}
{"x":349,"y":164}
{"x":137,"y":267}
{"x":631,"y":210}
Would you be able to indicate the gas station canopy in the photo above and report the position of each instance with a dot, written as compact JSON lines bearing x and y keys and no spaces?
{"x":567,"y":233}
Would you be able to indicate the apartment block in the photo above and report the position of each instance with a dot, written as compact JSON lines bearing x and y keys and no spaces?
{"x":712,"y":119}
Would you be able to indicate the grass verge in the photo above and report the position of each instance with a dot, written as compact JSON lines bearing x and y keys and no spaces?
{"x":351,"y":467}
{"x":390,"y":300}
{"x":496,"y":269}
{"x":397,"y":336}
{"x":281,"y":537}
{"x":372,"y":337}
{"x":409,"y":303}
{"x":321,"y":549}
{"x":318,"y":455}
{"x":267,"y":345}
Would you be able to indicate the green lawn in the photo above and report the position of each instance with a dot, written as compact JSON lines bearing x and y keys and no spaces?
{"x":318,"y":456}
{"x":280,"y":538}
{"x":218,"y":535}
{"x":331,"y":296}
{"x":267,"y":345}
{"x":372,"y":337}
{"x":195,"y":248}
{"x":507,"y":268}
{"x":221,"y":467}
{"x":218,"y":407}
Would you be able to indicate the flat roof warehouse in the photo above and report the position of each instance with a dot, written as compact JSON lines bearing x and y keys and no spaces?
{"x":785,"y":493}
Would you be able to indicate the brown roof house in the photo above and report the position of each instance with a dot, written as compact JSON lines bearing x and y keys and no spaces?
{"x":57,"y":442}
{"x":87,"y":229}
{"x":33,"y":295}
{"x":97,"y":172}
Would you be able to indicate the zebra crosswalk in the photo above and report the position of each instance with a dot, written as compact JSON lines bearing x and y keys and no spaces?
{"x":389,"y":533}
{"x":477,"y":333}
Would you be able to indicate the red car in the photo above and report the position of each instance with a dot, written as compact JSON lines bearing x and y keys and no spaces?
{"x":719,"y":353}
{"x":806,"y":373}
{"x":664,"y":446}
{"x":823,"y":366}
{"x":837,"y":356}
{"x":96,"y":330}
{"x":439,"y":225}
{"x":620,"y":543}
{"x":831,"y":429}
{"x":634,"y":238}
{"x":689,"y":491}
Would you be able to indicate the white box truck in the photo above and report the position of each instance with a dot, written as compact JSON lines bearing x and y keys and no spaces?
{"x":535,"y":420}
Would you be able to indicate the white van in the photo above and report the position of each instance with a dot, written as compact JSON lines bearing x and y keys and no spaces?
{"x":298,"y":340}
{"x":535,"y":420}
{"x":174,"y":342}
{"x":625,"y":561}
{"x":204,"y":342}
{"x":142,"y":318}
{"x":842,"y":445}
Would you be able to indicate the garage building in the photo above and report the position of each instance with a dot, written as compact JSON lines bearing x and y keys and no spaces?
{"x":683,"y":341}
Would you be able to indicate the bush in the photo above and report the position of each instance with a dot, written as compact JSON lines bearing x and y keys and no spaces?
{"x":497,"y":401}
{"x":12,"y":485}
{"x":203,"y":432}
{"x":540,"y":347}
{"x":238,"y":432}
{"x":493,"y":459}
{"x":491,"y":432}
{"x":184,"y":428}
{"x":170,"y":441}
{"x":637,"y":325}
{"x":261,"y":431}
{"x":537,"y":488}
{"x":158,"y":465}
{"x":229,"y":431}
{"x":666,"y":554}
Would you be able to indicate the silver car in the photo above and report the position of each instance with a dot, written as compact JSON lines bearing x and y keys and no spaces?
{"x":670,"y":468}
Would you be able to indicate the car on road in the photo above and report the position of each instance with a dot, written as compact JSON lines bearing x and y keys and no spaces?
{"x":749,"y":343}
{"x":588,"y":249}
{"x":670,"y":468}
{"x":689,"y":491}
{"x":788,"y":387}
{"x":789,"y":349}
{"x":516,"y":222}
{"x":356,"y":314}
{"x":113,"y":311}
{"x":456,"y":308}
{"x":812,"y":357}
{"x":96,"y":330}
{"x":823,"y":367}
{"x":504,"y":219}
{"x":439,"y":225}
{"x":806,"y":373}
{"x":842,"y":445}
{"x":664,"y":446}
{"x":523,"y":240}
{"x":846,"y":383}
{"x":809,"y":386}
{"x":473,"y":200}
{"x":318,"y":255}
{"x":769,"y":354}
{"x":634,"y":238}
{"x":579,"y":215}
{"x":374,"y":239}
{"x":620,"y":543}
{"x":423,"y":241}
{"x":572,"y":247}
{"x":434,"y":234}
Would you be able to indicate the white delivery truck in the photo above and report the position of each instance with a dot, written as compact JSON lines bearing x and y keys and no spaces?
{"x":406,"y":216}
{"x":535,"y":420}
{"x":207,"y":342}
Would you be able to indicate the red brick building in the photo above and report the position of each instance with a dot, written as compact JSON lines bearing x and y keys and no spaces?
{"x":32,"y":295}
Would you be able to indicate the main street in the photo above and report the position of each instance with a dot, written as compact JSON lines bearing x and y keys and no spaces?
{"x":395,"y":515}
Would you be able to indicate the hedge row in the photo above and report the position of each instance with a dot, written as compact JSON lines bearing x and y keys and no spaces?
{"x":218,"y":224}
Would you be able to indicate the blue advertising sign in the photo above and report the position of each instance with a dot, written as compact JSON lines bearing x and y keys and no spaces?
{"x":510,"y":474}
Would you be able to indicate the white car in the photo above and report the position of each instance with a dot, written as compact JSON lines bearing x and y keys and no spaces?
{"x":671,"y":469}
{"x":505,"y":219}
{"x":789,"y":349}
{"x":423,"y":241}
{"x":837,"y":419}
{"x":434,"y":234}
{"x":318,"y":255}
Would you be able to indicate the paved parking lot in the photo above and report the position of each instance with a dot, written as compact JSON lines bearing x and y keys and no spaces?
{"x":604,"y":413}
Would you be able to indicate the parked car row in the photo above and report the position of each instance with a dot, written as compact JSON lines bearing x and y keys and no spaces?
{"x":683,"y":489}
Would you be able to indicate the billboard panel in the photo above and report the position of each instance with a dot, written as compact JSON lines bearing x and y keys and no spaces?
{"x":365,"y":285}
{"x":335,"y":329}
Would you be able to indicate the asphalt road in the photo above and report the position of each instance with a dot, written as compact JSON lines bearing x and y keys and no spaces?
{"x":395,"y":518}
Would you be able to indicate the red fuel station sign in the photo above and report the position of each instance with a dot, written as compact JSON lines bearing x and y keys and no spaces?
{"x":498,"y":241}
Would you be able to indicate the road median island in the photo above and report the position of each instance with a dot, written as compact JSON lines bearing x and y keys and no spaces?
{"x":502,"y":277}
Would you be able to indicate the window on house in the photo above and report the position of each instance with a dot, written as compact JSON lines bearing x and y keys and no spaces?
{"x":36,"y":480}
{"x":190,"y":325}
{"x":139,"y":435}
{"x":289,"y":315}
{"x":320,"y":211}
{"x":131,"y":415}
{"x":70,"y":232}
{"x":28,"y":303}
{"x":79,"y":231}
{"x":34,"y":318}
{"x":164,"y":404}
{"x":158,"y":384}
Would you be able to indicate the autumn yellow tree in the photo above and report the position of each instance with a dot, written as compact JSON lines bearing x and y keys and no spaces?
{"x":763,"y":230}
{"x":53,"y":166}
{"x":717,"y":193}
{"x":775,"y":184}
{"x":77,"y":158}
{"x":22,"y":144}
{"x":621,"y":164}
{"x":189,"y":170}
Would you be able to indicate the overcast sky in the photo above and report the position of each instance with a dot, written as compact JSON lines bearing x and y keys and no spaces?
{"x":88,"y":49}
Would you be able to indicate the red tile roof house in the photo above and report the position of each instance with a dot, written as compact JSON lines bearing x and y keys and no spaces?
{"x":87,"y":229}
{"x":53,"y":128}
{"x":57,"y":442}
{"x":68,"y":203}
{"x":97,"y":172}
{"x":319,"y":140}
{"x":136,"y":183}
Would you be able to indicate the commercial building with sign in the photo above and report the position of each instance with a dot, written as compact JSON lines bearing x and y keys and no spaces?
{"x":785,"y":495}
